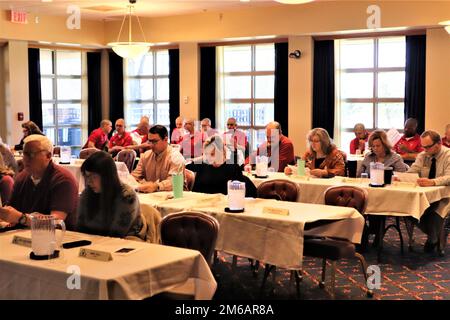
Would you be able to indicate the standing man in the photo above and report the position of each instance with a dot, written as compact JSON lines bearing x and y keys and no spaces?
{"x":42,"y":187}
{"x":99,"y":137}
{"x":433,"y":167}
{"x":156,"y":165}
{"x":409,"y":144}
{"x":236,"y":140}
{"x":119,"y":140}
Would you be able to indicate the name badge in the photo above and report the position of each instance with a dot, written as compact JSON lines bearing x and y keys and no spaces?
{"x":95,"y":254}
{"x":22,"y":241}
{"x":283,"y":212}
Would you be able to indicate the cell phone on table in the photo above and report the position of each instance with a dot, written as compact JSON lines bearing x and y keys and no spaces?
{"x":75,"y":244}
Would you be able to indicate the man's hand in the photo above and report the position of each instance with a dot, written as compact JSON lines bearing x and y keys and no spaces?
{"x":425,"y":182}
{"x":9,"y":214}
{"x":148,"y":187}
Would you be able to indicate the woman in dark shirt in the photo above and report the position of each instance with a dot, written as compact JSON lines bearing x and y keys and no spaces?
{"x":213,"y":174}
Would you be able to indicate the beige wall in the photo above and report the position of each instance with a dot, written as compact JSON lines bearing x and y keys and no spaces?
{"x":3,"y":129}
{"x":437,"y":95}
{"x":189,"y":80}
{"x":16,"y":93}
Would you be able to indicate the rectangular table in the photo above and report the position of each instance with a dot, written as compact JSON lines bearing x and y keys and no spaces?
{"x":272,"y":238}
{"x":148,"y":271}
{"x":395,"y":200}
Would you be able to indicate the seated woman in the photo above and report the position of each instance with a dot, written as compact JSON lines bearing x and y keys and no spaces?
{"x":381,"y":152}
{"x":323,"y":158}
{"x":213,"y":174}
{"x":28,"y":128}
{"x":107,"y":207}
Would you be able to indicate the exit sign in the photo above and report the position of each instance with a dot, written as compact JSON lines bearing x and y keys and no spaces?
{"x":19,"y":17}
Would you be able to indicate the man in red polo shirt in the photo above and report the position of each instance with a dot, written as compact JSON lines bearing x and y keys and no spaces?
{"x":361,"y":137}
{"x":409,"y":145}
{"x":140,"y":136}
{"x":119,"y":140}
{"x":99,"y":137}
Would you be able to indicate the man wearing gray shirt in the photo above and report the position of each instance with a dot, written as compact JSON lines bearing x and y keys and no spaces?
{"x":433,"y":167}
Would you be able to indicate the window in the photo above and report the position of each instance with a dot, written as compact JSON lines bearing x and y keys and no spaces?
{"x":247,"y":80}
{"x":61,"y":89}
{"x":147,"y":89}
{"x":370,"y":78}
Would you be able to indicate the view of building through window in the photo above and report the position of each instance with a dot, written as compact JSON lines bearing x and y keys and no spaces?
{"x":61,"y":78}
{"x":247,"y":87}
{"x":147,"y":89}
{"x":370,"y":85}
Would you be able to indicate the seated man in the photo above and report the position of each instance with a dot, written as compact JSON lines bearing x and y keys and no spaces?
{"x":206,"y":127}
{"x":43,"y":187}
{"x":99,"y":137}
{"x":119,"y":140}
{"x":433,"y":167}
{"x":409,"y":144}
{"x":157,"y":164}
{"x":140,"y":136}
{"x":278,"y":148}
{"x":361,"y":137}
{"x":192,"y":142}
{"x":178,"y":132}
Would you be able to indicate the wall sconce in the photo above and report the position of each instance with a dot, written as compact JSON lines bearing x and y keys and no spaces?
{"x":295,"y":54}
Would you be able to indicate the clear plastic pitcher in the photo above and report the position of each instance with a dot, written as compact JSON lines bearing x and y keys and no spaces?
{"x":236,"y":195}
{"x":261,"y":166}
{"x":376,"y":174}
{"x":66,"y":153}
{"x":43,"y":234}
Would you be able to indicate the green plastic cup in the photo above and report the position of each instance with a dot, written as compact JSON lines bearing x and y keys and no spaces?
{"x":177,"y":185}
{"x":300,"y":167}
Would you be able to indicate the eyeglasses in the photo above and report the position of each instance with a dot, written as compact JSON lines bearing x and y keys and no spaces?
{"x":153,"y":141}
{"x":32,"y":154}
{"x":230,"y":124}
{"x":430,"y":146}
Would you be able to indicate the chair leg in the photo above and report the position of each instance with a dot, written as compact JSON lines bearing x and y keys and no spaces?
{"x":267,"y":270}
{"x":397,"y":223}
{"x":364,"y":270}
{"x":324,"y":270}
{"x":442,"y":241}
{"x":381,"y":233}
{"x":333,"y":278}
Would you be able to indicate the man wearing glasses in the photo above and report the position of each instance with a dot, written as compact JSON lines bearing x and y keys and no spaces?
{"x":433,"y":167}
{"x":156,"y":165}
{"x":192,"y":142}
{"x":235,"y":139}
{"x":42,"y":187}
{"x":121,"y":139}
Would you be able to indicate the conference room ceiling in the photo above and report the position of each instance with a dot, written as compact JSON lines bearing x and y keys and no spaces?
{"x":115,"y":9}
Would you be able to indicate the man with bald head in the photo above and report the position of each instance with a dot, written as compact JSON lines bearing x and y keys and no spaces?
{"x":409,"y":145}
{"x":99,"y":137}
{"x":206,"y":127}
{"x":178,"y":132}
{"x":278,"y":147}
{"x":192,"y":143}
{"x":121,"y":139}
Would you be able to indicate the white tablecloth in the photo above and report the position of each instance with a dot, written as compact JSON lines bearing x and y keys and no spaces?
{"x":396,"y":200}
{"x":150,"y":270}
{"x":272,"y":238}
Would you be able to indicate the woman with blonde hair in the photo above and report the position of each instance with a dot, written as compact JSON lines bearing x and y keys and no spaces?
{"x":323,"y":158}
{"x":381,"y":151}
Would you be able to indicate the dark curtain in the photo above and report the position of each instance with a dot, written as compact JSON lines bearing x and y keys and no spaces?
{"x":415,"y":80}
{"x":34,"y":87}
{"x":208,"y":84}
{"x":94,"y":90}
{"x":115,"y":87}
{"x":323,"y":86}
{"x":281,"y":86}
{"x":174,"y":86}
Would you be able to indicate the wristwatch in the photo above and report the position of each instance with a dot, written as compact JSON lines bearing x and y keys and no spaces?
{"x":23,"y":219}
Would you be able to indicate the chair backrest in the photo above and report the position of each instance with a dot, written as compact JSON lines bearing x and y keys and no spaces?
{"x":278,"y":189}
{"x":6,"y":188}
{"x":20,"y":165}
{"x":191,"y":230}
{"x":57,"y":151}
{"x":189,"y":179}
{"x":128,"y":156}
{"x":85,"y":153}
{"x":347,"y":196}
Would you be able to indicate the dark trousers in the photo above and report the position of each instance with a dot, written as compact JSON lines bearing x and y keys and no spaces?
{"x":431,"y":223}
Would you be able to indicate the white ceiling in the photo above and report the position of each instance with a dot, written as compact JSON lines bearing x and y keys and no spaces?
{"x":115,"y":9}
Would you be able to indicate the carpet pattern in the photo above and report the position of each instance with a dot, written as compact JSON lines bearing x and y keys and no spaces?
{"x":412,"y":276}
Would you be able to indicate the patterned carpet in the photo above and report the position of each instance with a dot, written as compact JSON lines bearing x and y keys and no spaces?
{"x":412,"y":276}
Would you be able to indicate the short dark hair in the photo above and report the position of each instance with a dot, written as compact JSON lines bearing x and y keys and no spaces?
{"x":159,"y":130}
{"x":435,"y":137}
